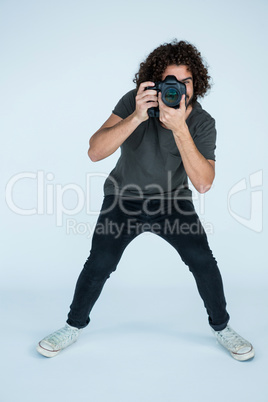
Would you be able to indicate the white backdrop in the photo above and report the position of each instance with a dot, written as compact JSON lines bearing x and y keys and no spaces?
{"x":64,"y":66}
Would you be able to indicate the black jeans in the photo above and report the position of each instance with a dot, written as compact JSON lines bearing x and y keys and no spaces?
{"x":176,"y":221}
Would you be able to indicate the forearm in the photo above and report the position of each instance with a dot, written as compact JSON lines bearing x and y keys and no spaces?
{"x":199,"y":170}
{"x":113,"y":132}
{"x":108,"y":139}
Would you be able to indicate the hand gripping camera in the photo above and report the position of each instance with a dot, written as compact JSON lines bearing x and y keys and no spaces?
{"x":171,"y":93}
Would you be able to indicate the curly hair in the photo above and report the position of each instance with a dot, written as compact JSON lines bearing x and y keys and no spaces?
{"x":178,"y":53}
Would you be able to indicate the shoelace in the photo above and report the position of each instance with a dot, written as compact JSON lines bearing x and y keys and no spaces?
{"x":232,"y":340}
{"x":62,"y":337}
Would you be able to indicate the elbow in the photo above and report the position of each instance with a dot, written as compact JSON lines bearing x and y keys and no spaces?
{"x":203,"y":188}
{"x":92,"y":156}
{"x":93,"y":151}
{"x":205,"y":185}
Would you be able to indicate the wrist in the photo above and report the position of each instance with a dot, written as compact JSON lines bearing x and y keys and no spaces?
{"x":139,"y":118}
{"x":181,"y":131}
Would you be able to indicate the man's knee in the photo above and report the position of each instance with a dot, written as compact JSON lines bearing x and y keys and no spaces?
{"x":198,"y":259}
{"x":100,"y":265}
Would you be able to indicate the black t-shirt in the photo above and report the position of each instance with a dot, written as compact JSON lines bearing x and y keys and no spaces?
{"x":150,"y":164}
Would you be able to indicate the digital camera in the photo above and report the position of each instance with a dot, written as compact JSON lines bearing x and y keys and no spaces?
{"x":171,"y":92}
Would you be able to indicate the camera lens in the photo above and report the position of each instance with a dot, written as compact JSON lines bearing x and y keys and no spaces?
{"x":171,"y":96}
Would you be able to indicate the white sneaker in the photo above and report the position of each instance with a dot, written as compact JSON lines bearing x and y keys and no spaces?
{"x":239,"y":347}
{"x":52,"y":344}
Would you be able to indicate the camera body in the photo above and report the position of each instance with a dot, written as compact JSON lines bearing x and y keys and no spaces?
{"x":171,"y":93}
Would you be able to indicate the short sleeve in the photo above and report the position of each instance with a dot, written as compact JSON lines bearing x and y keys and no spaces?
{"x":126,"y":106}
{"x":205,"y":138}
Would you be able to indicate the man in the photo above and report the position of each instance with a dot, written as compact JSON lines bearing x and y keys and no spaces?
{"x":148,"y":189}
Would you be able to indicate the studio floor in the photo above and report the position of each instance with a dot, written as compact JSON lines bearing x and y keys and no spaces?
{"x":142,"y":345}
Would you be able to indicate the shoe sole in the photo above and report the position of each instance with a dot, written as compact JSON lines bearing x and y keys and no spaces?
{"x":243,"y":357}
{"x":46,"y":352}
